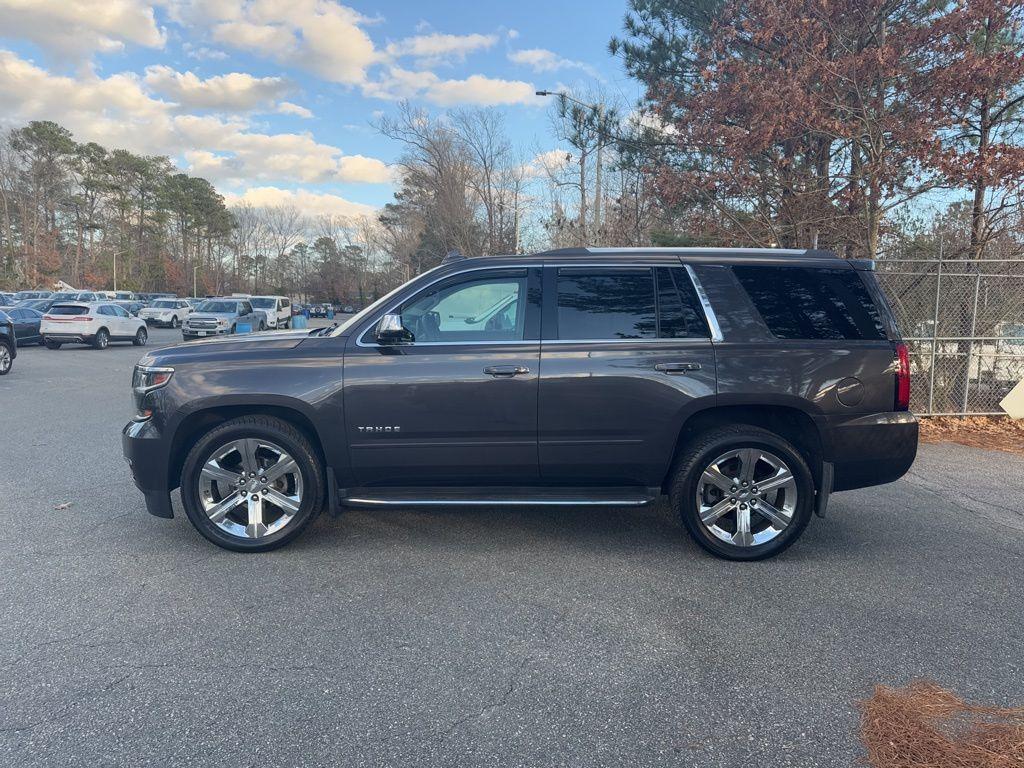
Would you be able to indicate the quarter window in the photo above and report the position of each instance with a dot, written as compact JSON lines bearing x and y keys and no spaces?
{"x":680,"y":315}
{"x":811,"y":302}
{"x":484,"y":309}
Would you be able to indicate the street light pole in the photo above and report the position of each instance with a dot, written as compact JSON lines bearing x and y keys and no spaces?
{"x":195,"y":269}
{"x":597,"y":109}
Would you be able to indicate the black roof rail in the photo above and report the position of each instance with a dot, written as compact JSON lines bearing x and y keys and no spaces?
{"x":452,"y":256}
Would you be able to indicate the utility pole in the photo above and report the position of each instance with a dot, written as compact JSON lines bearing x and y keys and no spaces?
{"x":598,"y":200}
{"x":195,"y":269}
{"x":598,"y":110}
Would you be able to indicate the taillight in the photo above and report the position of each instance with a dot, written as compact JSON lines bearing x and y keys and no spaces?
{"x":902,"y":378}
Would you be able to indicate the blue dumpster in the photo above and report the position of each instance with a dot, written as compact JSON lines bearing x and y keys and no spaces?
{"x":330,"y":313}
{"x":299,"y":321}
{"x":243,"y":328}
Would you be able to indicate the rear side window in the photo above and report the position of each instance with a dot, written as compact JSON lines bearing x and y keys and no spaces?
{"x":68,"y":309}
{"x":606,"y":304}
{"x":638,"y":303}
{"x":812,"y":302}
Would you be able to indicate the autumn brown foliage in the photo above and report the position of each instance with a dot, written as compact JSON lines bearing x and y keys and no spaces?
{"x":926,"y":726}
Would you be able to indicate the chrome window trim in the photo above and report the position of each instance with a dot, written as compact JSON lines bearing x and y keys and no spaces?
{"x":709,"y":311}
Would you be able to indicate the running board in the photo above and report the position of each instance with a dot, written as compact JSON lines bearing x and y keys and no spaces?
{"x":499,"y":497}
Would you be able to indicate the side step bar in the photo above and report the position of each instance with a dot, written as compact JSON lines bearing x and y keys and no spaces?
{"x":498,"y":497}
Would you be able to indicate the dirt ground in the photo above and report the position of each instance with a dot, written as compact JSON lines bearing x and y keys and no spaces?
{"x":993,"y":432}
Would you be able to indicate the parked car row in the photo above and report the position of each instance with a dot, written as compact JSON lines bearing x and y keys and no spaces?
{"x":53,"y":319}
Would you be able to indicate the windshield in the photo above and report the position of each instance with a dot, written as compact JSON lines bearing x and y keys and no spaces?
{"x":224,"y":307}
{"x":165,"y":304}
{"x":263,"y":303}
{"x":359,"y":317}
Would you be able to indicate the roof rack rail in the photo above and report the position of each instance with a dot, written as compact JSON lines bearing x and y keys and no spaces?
{"x":452,"y":256}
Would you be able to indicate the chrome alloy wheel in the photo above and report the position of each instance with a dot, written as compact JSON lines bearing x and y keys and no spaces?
{"x":746,"y":497}
{"x":250,"y":488}
{"x":5,"y":359}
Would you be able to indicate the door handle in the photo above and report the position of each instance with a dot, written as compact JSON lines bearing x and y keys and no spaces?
{"x":506,"y":371}
{"x":675,"y":368}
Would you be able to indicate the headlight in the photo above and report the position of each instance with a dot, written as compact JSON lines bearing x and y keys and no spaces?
{"x":147,"y":379}
{"x":222,"y":323}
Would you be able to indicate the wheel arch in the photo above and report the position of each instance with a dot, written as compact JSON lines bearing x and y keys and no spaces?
{"x":202,"y":418}
{"x":790,"y":422}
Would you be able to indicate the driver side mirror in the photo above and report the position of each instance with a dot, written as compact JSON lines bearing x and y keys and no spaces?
{"x":391,"y":331}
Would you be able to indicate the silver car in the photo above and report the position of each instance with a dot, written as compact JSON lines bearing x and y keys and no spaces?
{"x":216,"y":317}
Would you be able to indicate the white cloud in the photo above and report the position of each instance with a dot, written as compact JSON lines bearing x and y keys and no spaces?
{"x":117,"y":112}
{"x":437,"y":48}
{"x":320,"y":36}
{"x":234,"y":92}
{"x":287,"y":108}
{"x":546,"y":163}
{"x":398,"y":83}
{"x":78,"y":28}
{"x":202,"y":52}
{"x":485,"y":91}
{"x":308,"y":202}
{"x":542,"y":60}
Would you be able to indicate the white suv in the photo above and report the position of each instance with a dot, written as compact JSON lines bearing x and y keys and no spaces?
{"x":167,"y":312}
{"x":95,"y":323}
{"x":278,"y":310}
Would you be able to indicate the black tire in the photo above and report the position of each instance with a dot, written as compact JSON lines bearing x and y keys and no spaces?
{"x":51,"y":344}
{"x":174,"y":322}
{"x":234,"y":330}
{"x":102,"y":339}
{"x":6,"y":358}
{"x":263,"y":326}
{"x":708,"y":446}
{"x":287,"y":324}
{"x":141,"y":337}
{"x":268,"y":428}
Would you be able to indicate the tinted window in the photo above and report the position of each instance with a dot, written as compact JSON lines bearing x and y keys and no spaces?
{"x":482,"y":309}
{"x":680,"y":315}
{"x":245,"y":308}
{"x":606,"y":304}
{"x":69,"y":309}
{"x":812,"y":303}
{"x":119,"y":311}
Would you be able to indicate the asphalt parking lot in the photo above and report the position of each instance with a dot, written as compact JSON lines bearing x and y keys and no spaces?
{"x":471,"y":637}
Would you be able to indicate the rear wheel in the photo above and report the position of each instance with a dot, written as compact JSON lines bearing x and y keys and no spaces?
{"x":743,"y":492}
{"x":6,"y":358}
{"x":141,"y":337}
{"x":101,"y":339}
{"x":252,"y":484}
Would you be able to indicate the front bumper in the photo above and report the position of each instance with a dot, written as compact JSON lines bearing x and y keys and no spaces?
{"x":146,"y":452}
{"x":869,"y":450}
{"x":157,"y":322}
{"x":203,"y":333}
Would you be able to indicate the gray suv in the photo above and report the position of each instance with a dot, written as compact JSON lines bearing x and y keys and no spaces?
{"x":744,"y":385}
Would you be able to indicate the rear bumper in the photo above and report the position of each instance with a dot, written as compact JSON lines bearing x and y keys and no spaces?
{"x":68,"y":338}
{"x":146,"y":451}
{"x":869,"y":450}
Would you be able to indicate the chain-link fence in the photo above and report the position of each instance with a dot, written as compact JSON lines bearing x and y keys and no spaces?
{"x":963,"y":320}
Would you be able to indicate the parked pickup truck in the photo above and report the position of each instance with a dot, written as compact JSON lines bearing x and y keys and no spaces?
{"x":745,"y":386}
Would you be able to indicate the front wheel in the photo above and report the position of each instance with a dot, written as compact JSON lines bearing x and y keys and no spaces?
{"x":252,"y":484}
{"x":744,"y":493}
{"x":174,"y":322}
{"x":263,"y":326}
{"x":49,"y":344}
{"x":6,"y":358}
{"x":141,"y":337}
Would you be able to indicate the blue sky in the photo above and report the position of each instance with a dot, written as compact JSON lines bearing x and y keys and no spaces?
{"x":273,"y":100}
